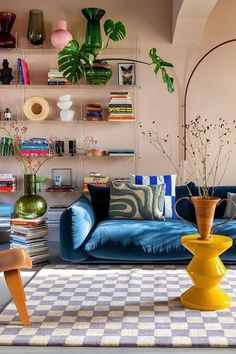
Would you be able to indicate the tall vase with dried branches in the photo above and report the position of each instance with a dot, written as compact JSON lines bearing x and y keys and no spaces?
{"x":30,"y":205}
{"x":209,"y":146}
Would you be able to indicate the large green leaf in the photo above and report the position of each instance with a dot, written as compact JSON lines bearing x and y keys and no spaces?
{"x":160,"y":64}
{"x":72,"y":58}
{"x":114,"y":30}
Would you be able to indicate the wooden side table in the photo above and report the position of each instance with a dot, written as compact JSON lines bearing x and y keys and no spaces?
{"x":206,"y":271}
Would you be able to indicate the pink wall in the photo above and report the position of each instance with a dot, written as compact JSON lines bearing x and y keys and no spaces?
{"x":149,"y":23}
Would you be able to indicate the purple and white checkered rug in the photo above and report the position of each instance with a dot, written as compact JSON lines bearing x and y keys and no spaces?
{"x":117,"y":306}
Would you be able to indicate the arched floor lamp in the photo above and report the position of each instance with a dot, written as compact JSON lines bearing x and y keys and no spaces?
{"x":187,"y":87}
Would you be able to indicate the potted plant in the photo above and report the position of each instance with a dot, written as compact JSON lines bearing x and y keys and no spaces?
{"x":77,"y":61}
{"x":208,"y":148}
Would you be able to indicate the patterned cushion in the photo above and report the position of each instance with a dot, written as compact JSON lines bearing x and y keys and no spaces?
{"x":136,"y":202}
{"x":169,"y":180}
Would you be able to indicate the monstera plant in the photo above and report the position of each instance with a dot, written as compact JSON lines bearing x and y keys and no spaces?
{"x":77,"y":61}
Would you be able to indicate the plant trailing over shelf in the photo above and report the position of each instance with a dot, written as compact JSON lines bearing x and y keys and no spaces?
{"x":75,"y":60}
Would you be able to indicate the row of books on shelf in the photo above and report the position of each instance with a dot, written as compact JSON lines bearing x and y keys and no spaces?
{"x":55,"y":77}
{"x":7,"y":183}
{"x":101,"y":181}
{"x":29,"y":234}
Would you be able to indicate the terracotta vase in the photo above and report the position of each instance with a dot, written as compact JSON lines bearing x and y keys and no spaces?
{"x":61,"y":36}
{"x":204,"y":211}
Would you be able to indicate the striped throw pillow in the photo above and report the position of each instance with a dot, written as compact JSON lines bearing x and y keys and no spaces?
{"x":131,"y":201}
{"x":170,"y":182}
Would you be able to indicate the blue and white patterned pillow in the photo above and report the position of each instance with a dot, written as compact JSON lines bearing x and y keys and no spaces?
{"x":170,"y":182}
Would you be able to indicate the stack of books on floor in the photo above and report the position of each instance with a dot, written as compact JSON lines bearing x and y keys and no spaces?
{"x":121,"y":152}
{"x":55,"y":77}
{"x":54,"y":215}
{"x":28,"y":234}
{"x":62,"y":188}
{"x":7,"y":183}
{"x":120,"y":107}
{"x":100,"y":180}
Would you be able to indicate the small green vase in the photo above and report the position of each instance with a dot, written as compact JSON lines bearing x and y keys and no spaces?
{"x":100,"y":74}
{"x":30,"y":205}
{"x":93,"y":36}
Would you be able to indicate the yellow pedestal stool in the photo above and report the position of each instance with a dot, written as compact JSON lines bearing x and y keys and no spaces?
{"x":206,"y":271}
{"x":10,"y":263}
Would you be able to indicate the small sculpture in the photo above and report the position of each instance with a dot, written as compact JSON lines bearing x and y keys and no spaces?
{"x":5,"y":73}
{"x":64,"y":104}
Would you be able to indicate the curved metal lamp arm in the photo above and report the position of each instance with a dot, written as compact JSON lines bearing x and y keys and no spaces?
{"x":187,"y":87}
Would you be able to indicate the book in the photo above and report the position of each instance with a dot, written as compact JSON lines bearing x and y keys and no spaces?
{"x":20,"y":71}
{"x":28,"y":222}
{"x":25,"y":72}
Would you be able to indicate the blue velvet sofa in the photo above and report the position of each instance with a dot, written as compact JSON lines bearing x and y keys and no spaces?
{"x":87,"y":234}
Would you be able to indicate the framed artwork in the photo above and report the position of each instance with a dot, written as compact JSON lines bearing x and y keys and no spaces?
{"x":61,"y":176}
{"x":126,"y":74}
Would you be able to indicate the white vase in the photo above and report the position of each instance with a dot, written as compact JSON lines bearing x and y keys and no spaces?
{"x":64,"y":104}
{"x":67,"y":115}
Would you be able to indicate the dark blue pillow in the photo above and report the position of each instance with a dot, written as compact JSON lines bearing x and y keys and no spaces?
{"x":100,"y":199}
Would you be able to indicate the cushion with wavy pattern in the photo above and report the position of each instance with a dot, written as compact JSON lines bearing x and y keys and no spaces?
{"x":132,"y":201}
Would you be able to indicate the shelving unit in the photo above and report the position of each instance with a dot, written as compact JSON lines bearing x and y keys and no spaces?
{"x":110,"y":134}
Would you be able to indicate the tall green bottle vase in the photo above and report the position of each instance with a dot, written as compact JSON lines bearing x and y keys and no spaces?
{"x":30,"y":205}
{"x":93,"y":36}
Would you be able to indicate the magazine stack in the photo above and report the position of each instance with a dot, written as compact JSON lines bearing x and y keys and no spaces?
{"x":29,"y":234}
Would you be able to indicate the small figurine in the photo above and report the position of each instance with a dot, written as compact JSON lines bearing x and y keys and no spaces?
{"x":5,"y":73}
{"x":7,"y":114}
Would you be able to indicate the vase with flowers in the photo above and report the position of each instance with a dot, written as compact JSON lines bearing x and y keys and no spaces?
{"x":30,"y":205}
{"x":208,"y":149}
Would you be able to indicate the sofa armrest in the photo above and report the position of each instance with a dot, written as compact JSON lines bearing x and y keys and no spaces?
{"x":76,"y":223}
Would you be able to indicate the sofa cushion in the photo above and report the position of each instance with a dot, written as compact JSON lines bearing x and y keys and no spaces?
{"x":132,"y":201}
{"x":230,"y":207}
{"x":153,"y":236}
{"x":100,"y":199}
{"x":80,"y":216}
{"x":169,"y":180}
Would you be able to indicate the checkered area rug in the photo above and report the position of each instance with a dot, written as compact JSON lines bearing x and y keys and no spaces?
{"x":117,"y":306}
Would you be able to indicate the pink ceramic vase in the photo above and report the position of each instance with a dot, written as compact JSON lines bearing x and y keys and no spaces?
{"x":60,"y":37}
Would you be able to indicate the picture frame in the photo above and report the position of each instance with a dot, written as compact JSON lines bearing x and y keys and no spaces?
{"x":126,"y":74}
{"x":61,"y":176}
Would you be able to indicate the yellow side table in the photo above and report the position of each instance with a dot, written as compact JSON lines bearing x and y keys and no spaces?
{"x":206,"y":271}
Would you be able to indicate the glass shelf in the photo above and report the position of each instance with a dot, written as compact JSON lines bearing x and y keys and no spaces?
{"x":68,"y":87}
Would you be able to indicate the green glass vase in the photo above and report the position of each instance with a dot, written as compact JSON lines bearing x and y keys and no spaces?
{"x":93,"y":36}
{"x":100,"y":74}
{"x":30,"y":205}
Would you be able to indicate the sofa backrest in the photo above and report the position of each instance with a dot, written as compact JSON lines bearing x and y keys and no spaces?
{"x":100,"y":198}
